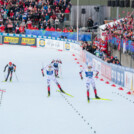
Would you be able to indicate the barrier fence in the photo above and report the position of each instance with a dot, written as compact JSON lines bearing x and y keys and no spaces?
{"x":122,"y":76}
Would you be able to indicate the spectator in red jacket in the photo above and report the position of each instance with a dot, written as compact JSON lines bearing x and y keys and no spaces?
{"x":52,"y":29}
{"x":58,"y":30}
{"x":1,"y":2}
{"x":11,"y":14}
{"x":21,"y":29}
{"x":65,"y":30}
{"x":2,"y":28}
{"x":47,"y":29}
{"x":67,"y":10}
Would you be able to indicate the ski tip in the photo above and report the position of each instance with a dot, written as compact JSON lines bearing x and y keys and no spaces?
{"x":64,"y":93}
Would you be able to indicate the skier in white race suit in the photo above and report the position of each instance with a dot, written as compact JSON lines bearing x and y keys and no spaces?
{"x":88,"y":70}
{"x":49,"y":71}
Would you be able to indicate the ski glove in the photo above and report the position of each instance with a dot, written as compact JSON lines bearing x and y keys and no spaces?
{"x":42,"y":72}
{"x":81,"y":75}
{"x":97,"y":74}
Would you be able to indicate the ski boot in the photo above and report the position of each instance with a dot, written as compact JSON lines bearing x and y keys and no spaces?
{"x":48,"y":93}
{"x":57,"y":76}
{"x":88,"y":99}
{"x":62,"y":90}
{"x":97,"y":97}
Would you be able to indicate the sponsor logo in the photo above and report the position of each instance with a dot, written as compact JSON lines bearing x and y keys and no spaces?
{"x":118,"y":76}
{"x":67,"y":46}
{"x":42,"y":42}
{"x":122,"y":77}
{"x":113,"y":74}
{"x":28,"y":41}
{"x":11,"y":40}
{"x":57,"y":44}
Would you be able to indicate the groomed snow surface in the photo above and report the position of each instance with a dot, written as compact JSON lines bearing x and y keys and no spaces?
{"x":26,"y":109}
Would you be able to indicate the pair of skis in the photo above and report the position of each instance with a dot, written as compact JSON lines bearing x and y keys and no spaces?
{"x":65,"y":93}
{"x":6,"y":81}
{"x":90,"y":98}
{"x":100,"y":99}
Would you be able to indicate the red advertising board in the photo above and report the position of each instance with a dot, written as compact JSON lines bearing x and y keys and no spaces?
{"x":106,"y":71}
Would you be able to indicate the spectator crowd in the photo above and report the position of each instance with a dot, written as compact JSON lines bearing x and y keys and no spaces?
{"x":100,"y":49}
{"x":121,"y":29}
{"x":18,"y":15}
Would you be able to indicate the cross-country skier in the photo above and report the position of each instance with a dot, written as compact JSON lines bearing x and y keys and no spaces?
{"x":11,"y":68}
{"x":89,"y":79}
{"x":56,"y":66}
{"x":49,"y":69}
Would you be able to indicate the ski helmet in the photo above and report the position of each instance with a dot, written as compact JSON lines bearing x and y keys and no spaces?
{"x":10,"y":63}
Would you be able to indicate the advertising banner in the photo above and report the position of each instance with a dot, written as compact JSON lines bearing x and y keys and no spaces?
{"x":103,"y":69}
{"x":72,"y":47}
{"x":49,"y":43}
{"x":41,"y":42}
{"x":0,"y":39}
{"x":114,"y":74}
{"x":88,"y":57}
{"x":97,"y":65}
{"x":133,"y":83}
{"x":108,"y":72}
{"x":128,"y":79}
{"x":67,"y":46}
{"x":83,"y":56}
{"x":27,"y":41}
{"x":59,"y":44}
{"x":120,"y":75}
{"x":75,"y":47}
{"x":10,"y":40}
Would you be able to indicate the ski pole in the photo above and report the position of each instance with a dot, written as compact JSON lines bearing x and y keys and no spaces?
{"x":16,"y":76}
{"x":60,"y":71}
{"x":4,"y":75}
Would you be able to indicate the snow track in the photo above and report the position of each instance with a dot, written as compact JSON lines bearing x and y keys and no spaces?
{"x":26,"y":109}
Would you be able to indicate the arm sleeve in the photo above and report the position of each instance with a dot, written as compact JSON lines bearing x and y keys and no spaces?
{"x":5,"y":67}
{"x":97,"y":72}
{"x":14,"y":65}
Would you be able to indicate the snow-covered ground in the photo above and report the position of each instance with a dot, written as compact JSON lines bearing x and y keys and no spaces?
{"x":26,"y":109}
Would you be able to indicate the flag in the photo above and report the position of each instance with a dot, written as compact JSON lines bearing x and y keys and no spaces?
{"x":124,"y":46}
{"x":119,"y":46}
{"x":119,"y":43}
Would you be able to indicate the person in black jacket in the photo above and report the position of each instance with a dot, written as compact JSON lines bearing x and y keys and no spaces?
{"x":89,"y":48}
{"x":11,"y":68}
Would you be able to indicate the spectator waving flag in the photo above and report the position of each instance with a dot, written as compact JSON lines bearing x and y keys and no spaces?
{"x":119,"y":45}
{"x":124,"y":45}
